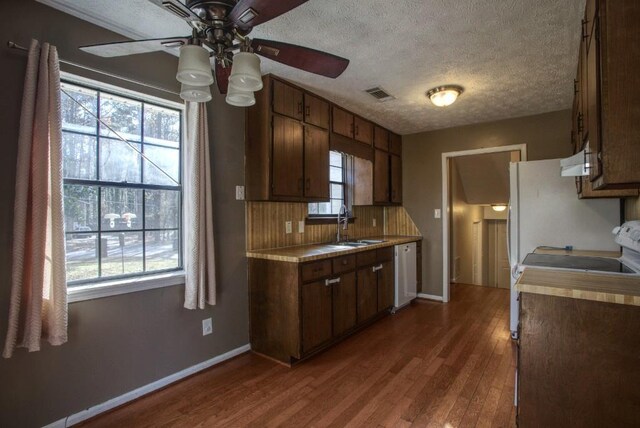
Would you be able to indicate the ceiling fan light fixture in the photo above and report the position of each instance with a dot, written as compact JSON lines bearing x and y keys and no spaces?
{"x":245,"y":72}
{"x":444,"y":96}
{"x":238,"y":97}
{"x":194,"y":67}
{"x":196,"y":94}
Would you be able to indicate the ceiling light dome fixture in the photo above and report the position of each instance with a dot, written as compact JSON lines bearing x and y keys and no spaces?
{"x":245,"y":72}
{"x":499,"y":207}
{"x":444,"y":96}
{"x":194,"y":67}
{"x":197,"y":94}
{"x":239,"y":97}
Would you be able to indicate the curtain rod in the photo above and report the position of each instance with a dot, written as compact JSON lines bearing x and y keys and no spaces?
{"x":16,"y":46}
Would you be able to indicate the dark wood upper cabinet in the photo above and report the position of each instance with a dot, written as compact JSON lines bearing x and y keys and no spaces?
{"x":592,"y":118}
{"x":316,"y":314}
{"x":287,"y":100}
{"x":381,"y":177}
{"x":363,"y":130}
{"x":344,"y":304}
{"x":316,"y":163}
{"x":396,"y":179}
{"x":380,"y":138}
{"x":316,"y":111}
{"x":395,"y":144}
{"x":342,"y":122}
{"x":287,"y":158}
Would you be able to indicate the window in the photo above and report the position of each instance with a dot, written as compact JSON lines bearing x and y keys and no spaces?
{"x":337,"y":188}
{"x":122,"y":209}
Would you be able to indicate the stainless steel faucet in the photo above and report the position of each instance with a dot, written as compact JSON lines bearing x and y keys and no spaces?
{"x":343,"y":217}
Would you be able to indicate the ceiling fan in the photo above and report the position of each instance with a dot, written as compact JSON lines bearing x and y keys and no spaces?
{"x":220,"y":30}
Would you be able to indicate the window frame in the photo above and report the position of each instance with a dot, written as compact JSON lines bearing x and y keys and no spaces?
{"x":313,"y":218}
{"x":79,"y":290}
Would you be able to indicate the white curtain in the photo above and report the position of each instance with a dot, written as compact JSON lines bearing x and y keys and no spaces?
{"x":200,"y":273}
{"x":38,"y":307}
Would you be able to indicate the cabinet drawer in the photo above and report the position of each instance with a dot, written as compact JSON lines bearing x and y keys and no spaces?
{"x":366,"y":258}
{"x":315,"y":270}
{"x":344,"y":264}
{"x":384,"y":254}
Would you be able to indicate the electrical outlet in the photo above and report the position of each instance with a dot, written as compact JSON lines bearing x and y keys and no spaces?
{"x":374,"y":222}
{"x":301,"y":226}
{"x":239,"y":193}
{"x":288,"y":228}
{"x":437,"y":213}
{"x":207,"y":326}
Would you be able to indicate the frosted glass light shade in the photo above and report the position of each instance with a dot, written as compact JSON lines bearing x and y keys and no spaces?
{"x":198,"y":94}
{"x":239,"y":98}
{"x":499,"y":207}
{"x":194,"y":67}
{"x":245,"y":72}
{"x":444,"y":96}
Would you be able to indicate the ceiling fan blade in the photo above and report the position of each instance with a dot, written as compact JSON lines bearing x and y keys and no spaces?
{"x":134,"y":47}
{"x":250,"y":13}
{"x":307,"y":59}
{"x":177,"y":8}
{"x":222,"y":78}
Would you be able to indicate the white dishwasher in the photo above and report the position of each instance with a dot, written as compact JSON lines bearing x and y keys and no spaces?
{"x":405,"y":277}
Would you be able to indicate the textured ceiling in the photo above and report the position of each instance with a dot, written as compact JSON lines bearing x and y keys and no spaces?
{"x":513,"y":57}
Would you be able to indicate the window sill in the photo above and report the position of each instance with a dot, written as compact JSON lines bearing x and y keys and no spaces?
{"x":123,"y":286}
{"x":325,"y":220}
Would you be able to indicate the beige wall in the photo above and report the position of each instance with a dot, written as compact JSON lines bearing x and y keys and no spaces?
{"x":120,"y":343}
{"x":546,"y":136}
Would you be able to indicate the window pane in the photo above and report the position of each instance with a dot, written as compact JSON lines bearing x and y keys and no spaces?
{"x":122,"y":115}
{"x":335,"y":159}
{"x":162,"y":209}
{"x":79,"y":156}
{"x":119,"y":162}
{"x":324,"y":208}
{"x":121,"y":208}
{"x":313,"y":208}
{"x":335,"y":174}
{"x":80,"y":208}
{"x":162,"y":250}
{"x":168,"y":160}
{"x":82,"y":256}
{"x":161,"y":126}
{"x":335,"y":206}
{"x":74,"y":117}
{"x":121,"y":253}
{"x":336,"y":191}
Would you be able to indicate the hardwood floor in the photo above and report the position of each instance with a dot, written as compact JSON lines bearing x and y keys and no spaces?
{"x":429,"y":365}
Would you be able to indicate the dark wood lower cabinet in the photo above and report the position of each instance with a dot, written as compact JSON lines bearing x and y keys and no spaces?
{"x":344,"y":304}
{"x":386,"y":289}
{"x":578,"y":363}
{"x":316,"y":314}
{"x":367,"y":293}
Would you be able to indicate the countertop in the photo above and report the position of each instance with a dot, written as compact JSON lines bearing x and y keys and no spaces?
{"x":310,"y":252}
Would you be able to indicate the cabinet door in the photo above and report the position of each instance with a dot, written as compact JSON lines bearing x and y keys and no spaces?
{"x":395,"y":144}
{"x":344,"y":303}
{"x":287,"y":100}
{"x":380,"y":138}
{"x":316,"y":314}
{"x":316,"y":111}
{"x":593,"y":102}
{"x":396,"y":179}
{"x":367,"y":293}
{"x":287,"y":162}
{"x":342,"y":122}
{"x":316,"y":163}
{"x":386,"y":292}
{"x":363,"y":130}
{"x":380,"y":177}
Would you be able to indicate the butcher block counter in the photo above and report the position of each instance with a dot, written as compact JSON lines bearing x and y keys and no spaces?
{"x":310,"y":252}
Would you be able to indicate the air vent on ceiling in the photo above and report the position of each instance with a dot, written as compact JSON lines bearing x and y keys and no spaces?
{"x":176,"y":9}
{"x":380,"y":94}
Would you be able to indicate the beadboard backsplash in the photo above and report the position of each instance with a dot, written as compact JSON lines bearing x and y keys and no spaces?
{"x":266,"y":224}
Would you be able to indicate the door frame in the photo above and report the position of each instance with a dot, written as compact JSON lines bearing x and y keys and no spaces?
{"x":446,"y":210}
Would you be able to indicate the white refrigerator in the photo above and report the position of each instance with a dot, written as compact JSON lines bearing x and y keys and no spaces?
{"x":545,"y":211}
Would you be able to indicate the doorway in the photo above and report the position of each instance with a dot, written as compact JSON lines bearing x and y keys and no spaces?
{"x":474,"y":234}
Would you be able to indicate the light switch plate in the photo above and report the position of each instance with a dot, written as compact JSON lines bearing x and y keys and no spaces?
{"x":207,"y":326}
{"x":287,"y":227}
{"x":301,"y":226}
{"x":239,"y":193}
{"x":437,"y":213}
